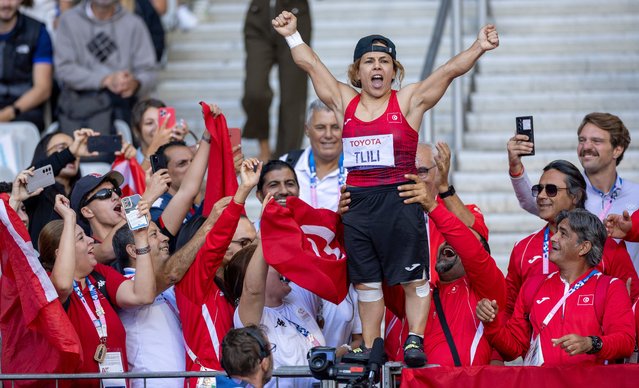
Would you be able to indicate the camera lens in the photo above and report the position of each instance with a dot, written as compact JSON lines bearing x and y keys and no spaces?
{"x":318,"y":362}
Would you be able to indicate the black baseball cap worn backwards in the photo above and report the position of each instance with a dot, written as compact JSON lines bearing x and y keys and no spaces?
{"x":365,"y":45}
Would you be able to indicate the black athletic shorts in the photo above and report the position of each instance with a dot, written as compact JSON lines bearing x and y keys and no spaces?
{"x":384,"y":237}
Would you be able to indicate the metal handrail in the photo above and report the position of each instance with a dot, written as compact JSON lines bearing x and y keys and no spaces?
{"x":428,"y":131}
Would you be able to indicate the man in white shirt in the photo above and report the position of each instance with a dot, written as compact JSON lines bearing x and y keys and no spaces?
{"x":319,"y":167}
{"x":603,"y":139}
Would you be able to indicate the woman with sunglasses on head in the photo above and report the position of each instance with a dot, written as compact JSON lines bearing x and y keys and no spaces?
{"x":91,"y":292}
{"x":561,"y":187}
{"x":380,"y":140}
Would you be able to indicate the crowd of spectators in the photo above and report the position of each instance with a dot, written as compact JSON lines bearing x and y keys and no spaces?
{"x":197,"y":291}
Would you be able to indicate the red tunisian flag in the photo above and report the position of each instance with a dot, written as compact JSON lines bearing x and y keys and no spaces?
{"x":134,"y":176}
{"x":37,"y":336}
{"x":221,"y":180}
{"x":307,"y":246}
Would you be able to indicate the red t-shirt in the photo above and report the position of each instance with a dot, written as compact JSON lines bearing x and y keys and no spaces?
{"x":527,"y":257}
{"x":363,"y":137}
{"x":116,"y":335}
{"x":205,"y":313}
{"x":483,"y":280}
{"x":577,"y":316}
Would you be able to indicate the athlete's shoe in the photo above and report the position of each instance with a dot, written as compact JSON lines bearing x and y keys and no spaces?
{"x":414,"y":356}
{"x":358,"y":355}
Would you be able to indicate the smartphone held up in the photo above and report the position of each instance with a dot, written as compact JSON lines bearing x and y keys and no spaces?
{"x":133,"y":218}
{"x":525,"y":127}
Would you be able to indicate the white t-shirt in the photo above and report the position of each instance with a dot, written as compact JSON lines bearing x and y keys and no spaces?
{"x":341,"y":321}
{"x":283,"y":326}
{"x":327,"y":187}
{"x":154,"y":341}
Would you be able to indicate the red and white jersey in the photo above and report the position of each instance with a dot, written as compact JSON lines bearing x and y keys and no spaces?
{"x":526,"y":259}
{"x":576,"y":316}
{"x":381,"y":151}
{"x":205,"y":313}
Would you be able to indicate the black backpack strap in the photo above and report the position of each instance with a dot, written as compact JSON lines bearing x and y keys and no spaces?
{"x":445,"y":328}
{"x":293,"y":156}
{"x":100,"y":285}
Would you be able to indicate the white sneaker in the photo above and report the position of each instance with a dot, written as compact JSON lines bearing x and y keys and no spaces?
{"x":186,"y":18}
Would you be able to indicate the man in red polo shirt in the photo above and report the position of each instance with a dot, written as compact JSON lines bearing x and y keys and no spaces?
{"x":572,"y":315}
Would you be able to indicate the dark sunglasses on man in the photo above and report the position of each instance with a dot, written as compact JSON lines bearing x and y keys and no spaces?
{"x":103,"y":194}
{"x":551,"y":190}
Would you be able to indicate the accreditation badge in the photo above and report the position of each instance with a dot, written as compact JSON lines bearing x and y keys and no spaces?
{"x":535,"y":356}
{"x":112,"y":364}
{"x":205,"y":382}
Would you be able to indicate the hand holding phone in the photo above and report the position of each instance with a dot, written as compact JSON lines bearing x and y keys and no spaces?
{"x":133,"y":218}
{"x":158,"y":162}
{"x":105,"y":143}
{"x":41,"y":177}
{"x":525,"y":127}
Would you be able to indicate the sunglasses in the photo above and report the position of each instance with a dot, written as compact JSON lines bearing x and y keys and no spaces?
{"x":449,"y":252}
{"x":284,"y":279}
{"x":243,"y":242}
{"x":425,"y":170}
{"x":551,"y":190}
{"x":104,"y":194}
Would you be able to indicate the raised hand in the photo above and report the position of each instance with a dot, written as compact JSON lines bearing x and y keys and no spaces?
{"x":487,"y":310}
{"x":250,"y":172}
{"x":238,"y":158}
{"x":618,"y":225}
{"x":488,"y":38}
{"x":79,"y":146}
{"x":285,"y":24}
{"x":156,"y":184}
{"x":19,"y":192}
{"x":127,"y":150}
{"x":62,"y":206}
{"x":517,"y":146}
{"x":442,"y":160}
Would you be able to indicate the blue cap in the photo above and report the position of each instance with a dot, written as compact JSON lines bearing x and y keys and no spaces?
{"x":88,"y":183}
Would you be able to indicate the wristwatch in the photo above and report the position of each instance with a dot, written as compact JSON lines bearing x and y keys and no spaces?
{"x":16,"y":111}
{"x":447,"y":193}
{"x":596,"y":345}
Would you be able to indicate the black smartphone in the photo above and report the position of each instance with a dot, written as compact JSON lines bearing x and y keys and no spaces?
{"x":42,"y":177}
{"x":525,"y":127}
{"x":158,"y":162}
{"x":105,"y":143}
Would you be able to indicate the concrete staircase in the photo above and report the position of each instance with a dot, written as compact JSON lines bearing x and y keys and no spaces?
{"x":558,"y":60}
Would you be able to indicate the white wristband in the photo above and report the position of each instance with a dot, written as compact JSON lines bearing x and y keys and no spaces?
{"x":347,"y":346}
{"x":294,"y":40}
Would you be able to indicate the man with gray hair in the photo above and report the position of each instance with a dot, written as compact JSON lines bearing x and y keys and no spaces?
{"x":575,"y":315}
{"x":319,"y":167}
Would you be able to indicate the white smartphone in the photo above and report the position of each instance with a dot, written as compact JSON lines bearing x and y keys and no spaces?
{"x":42,"y":177}
{"x":134,"y":220}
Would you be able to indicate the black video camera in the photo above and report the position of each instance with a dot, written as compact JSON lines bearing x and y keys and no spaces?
{"x":324,"y":366}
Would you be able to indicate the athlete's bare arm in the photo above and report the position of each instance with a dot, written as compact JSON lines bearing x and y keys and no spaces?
{"x":336,"y":95}
{"x":416,"y":99}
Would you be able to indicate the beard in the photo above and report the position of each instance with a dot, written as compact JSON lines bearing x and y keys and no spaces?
{"x":443,"y":266}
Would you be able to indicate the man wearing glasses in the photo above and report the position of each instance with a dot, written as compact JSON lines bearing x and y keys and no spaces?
{"x":602,"y":141}
{"x":561,"y":187}
{"x":96,"y":199}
